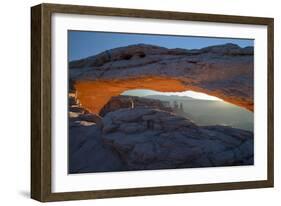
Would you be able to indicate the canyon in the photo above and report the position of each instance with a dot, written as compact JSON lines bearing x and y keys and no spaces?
{"x":111,"y":132}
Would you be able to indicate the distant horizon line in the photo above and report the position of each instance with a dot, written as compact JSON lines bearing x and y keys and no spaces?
{"x":169,"y":96}
{"x":190,"y":94}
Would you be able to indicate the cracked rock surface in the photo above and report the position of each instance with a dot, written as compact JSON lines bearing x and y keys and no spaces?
{"x":147,"y":138}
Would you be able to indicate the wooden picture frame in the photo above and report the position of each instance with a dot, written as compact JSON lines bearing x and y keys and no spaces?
{"x":41,"y":95}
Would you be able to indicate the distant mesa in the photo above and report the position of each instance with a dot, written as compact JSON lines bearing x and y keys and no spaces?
{"x":224,"y":71}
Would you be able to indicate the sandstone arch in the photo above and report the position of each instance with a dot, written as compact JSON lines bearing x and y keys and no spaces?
{"x":224,"y":71}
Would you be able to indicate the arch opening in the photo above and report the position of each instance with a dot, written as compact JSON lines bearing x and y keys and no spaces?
{"x":93,"y":95}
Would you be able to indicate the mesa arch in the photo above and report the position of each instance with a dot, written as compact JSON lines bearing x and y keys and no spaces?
{"x":224,"y":71}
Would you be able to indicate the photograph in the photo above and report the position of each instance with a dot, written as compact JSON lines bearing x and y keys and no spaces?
{"x":134,"y":102}
{"x":156,"y":101}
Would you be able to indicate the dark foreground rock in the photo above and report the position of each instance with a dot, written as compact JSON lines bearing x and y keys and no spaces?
{"x":86,"y":151}
{"x":145,"y":137}
{"x":148,"y":138}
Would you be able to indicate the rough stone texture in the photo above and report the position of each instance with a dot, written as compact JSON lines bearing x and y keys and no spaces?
{"x":87,"y":153}
{"x":225,"y":71}
{"x":145,"y":137}
{"x":148,"y":138}
{"x":142,"y":137}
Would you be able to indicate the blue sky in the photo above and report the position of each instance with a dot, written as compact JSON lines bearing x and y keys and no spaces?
{"x":87,"y":43}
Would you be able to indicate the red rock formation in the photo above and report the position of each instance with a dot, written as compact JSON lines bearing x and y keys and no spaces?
{"x":93,"y":95}
{"x":224,"y":71}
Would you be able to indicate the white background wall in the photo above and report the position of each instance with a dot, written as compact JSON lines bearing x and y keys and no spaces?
{"x":15,"y":102}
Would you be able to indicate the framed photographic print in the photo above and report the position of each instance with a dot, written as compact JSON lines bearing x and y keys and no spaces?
{"x":130,"y":102}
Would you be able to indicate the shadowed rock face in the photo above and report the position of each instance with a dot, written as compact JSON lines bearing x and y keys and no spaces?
{"x":147,"y":138}
{"x":85,"y":148}
{"x":224,"y":71}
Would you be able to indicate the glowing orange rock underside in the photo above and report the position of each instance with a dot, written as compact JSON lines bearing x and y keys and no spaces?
{"x":93,"y":95}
